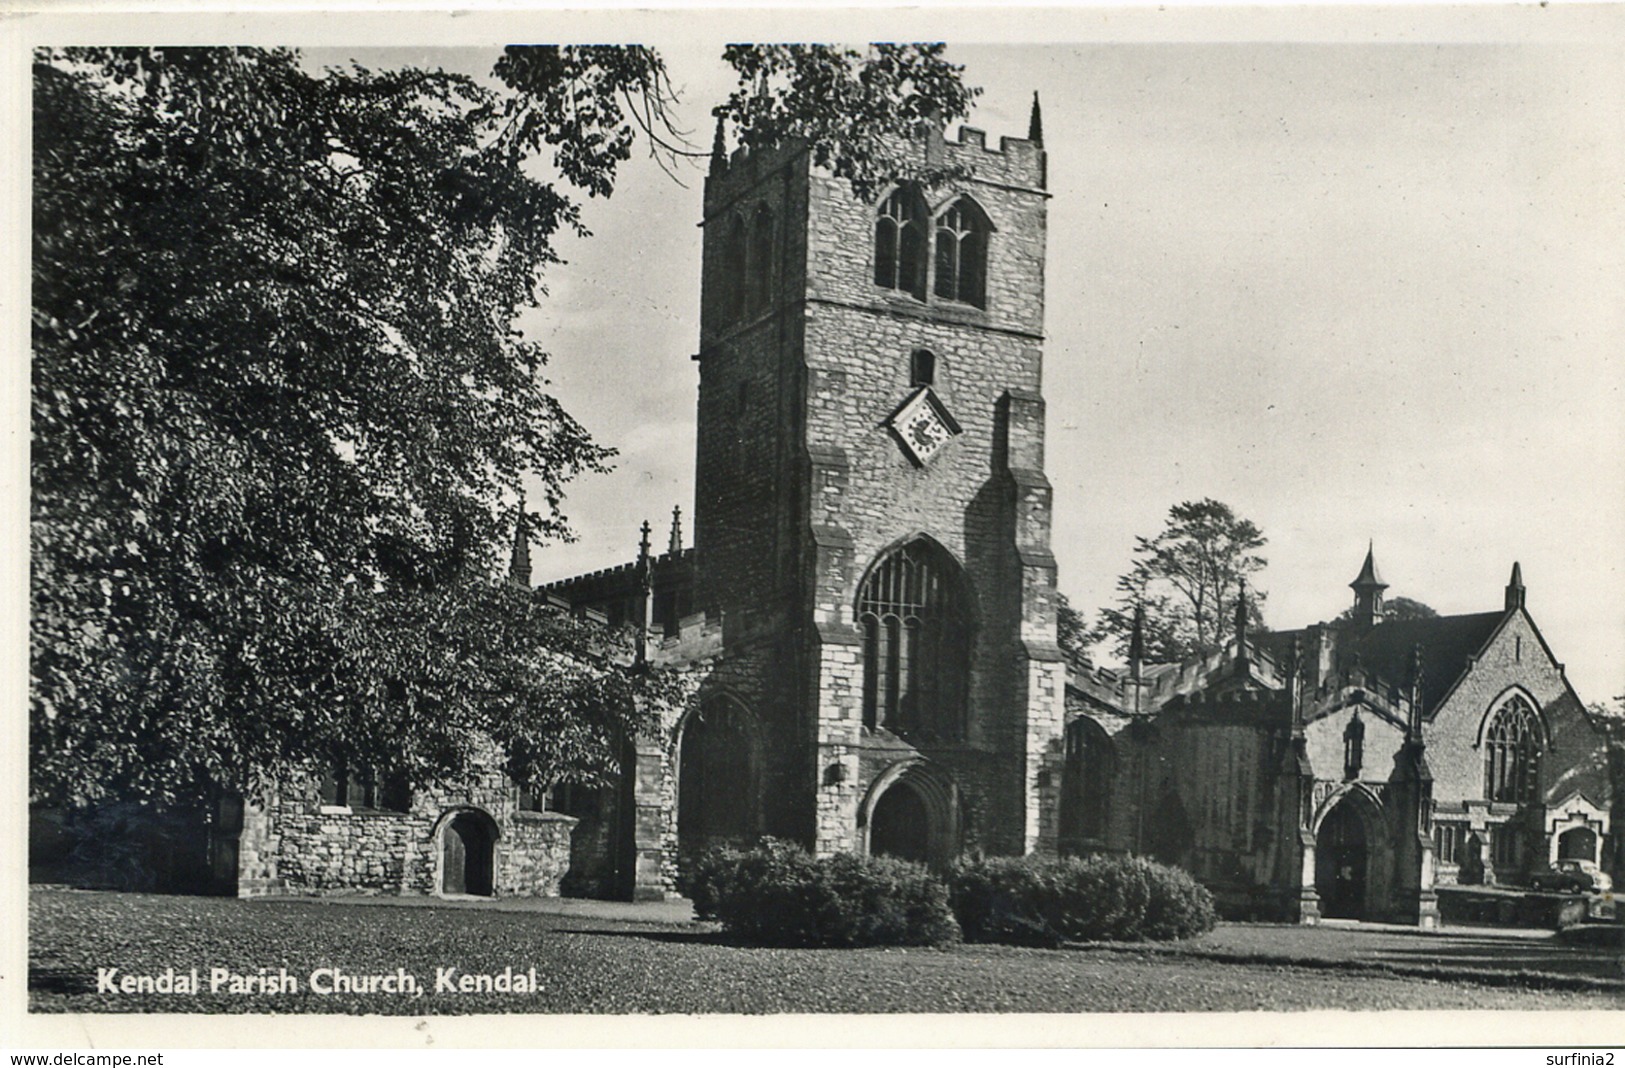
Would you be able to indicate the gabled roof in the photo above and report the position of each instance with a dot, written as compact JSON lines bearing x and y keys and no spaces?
{"x":1388,"y":649}
{"x":1448,"y":643}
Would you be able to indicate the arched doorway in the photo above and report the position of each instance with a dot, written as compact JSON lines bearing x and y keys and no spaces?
{"x":900,"y":825}
{"x":1342,"y":856}
{"x":1577,"y":843}
{"x":467,"y":855}
{"x":718,"y":772}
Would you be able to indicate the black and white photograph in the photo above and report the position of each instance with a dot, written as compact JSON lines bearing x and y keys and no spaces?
{"x":1112,"y":518}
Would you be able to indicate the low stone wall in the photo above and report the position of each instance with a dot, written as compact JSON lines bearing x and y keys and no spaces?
{"x":1511,"y":908}
{"x":293,"y":844}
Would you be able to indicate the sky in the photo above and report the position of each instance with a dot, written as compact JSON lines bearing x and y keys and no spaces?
{"x":1364,"y":294}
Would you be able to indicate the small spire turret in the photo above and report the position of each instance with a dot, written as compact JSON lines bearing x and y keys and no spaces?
{"x":674,"y":544}
{"x":1368,"y":587}
{"x":1136,"y":643}
{"x":1516,"y":594}
{"x":1035,"y":123}
{"x":519,"y":562}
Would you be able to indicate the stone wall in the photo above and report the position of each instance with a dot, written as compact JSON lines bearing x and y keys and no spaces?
{"x":292,"y":843}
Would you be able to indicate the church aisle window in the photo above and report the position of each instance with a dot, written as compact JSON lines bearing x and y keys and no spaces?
{"x":358,"y":788}
{"x":1086,"y":780}
{"x":911,"y":612}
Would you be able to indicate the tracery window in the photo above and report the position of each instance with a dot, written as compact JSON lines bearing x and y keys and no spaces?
{"x":915,"y":643}
{"x":1085,"y":784}
{"x":962,"y":254}
{"x":1512,"y":753}
{"x":900,"y":252}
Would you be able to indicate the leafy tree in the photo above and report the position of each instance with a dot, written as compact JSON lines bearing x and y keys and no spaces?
{"x":1396,"y":610}
{"x":1072,"y":632}
{"x":856,"y":111}
{"x":281,"y":411}
{"x":1187,"y":579}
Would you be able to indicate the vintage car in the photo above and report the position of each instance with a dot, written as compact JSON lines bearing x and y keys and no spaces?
{"x":1579,"y":876}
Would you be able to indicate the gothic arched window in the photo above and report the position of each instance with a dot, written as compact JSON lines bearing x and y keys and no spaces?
{"x":1512,"y":753}
{"x":758,"y":266}
{"x":911,"y":610}
{"x":1085,"y":785}
{"x":900,"y":243}
{"x":962,"y":253}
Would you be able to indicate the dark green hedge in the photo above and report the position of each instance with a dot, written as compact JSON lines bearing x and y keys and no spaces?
{"x":778,"y":895}
{"x":1043,"y":901}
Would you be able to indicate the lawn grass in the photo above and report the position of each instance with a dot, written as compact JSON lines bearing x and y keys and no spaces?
{"x":587,"y":965}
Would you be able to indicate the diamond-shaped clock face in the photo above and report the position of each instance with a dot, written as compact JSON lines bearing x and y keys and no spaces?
{"x":923,"y":426}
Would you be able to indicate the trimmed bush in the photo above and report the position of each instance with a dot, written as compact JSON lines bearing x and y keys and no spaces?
{"x":699,"y":875}
{"x":778,"y":895}
{"x":1044,"y":902}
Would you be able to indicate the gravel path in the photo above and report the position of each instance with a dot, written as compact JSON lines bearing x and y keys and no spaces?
{"x":593,"y":965}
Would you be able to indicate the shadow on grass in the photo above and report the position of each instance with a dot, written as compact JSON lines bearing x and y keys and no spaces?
{"x":681,"y":938}
{"x":47,"y":980}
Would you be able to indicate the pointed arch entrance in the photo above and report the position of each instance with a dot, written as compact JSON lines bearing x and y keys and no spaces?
{"x":719,"y":762}
{"x":1353,"y":857}
{"x":911,"y":812}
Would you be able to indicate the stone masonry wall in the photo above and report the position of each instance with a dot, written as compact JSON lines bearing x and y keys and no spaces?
{"x":800,"y":486}
{"x":291,"y":843}
{"x":1571,"y":760}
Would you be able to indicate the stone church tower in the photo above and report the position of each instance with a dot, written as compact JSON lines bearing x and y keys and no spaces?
{"x":872,"y":517}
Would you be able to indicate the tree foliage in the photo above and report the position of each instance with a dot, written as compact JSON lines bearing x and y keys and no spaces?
{"x":280,"y":414}
{"x":1071,"y":630}
{"x":857,"y":111}
{"x":281,"y":411}
{"x":1188,"y":579}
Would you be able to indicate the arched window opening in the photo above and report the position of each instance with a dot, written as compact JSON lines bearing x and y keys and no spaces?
{"x":758,"y":265}
{"x":962,"y":254}
{"x":1512,"y":753}
{"x":1085,"y":785}
{"x":922,"y":368}
{"x":912,"y":613}
{"x":900,"y":243}
{"x":718,"y":788}
{"x":1353,"y":748}
{"x":733,"y":274}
